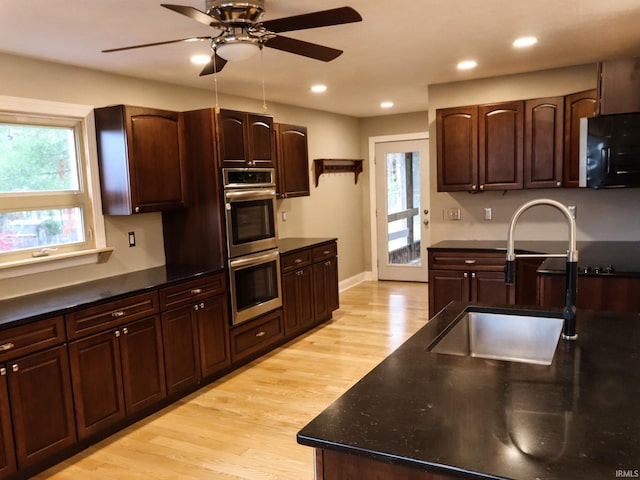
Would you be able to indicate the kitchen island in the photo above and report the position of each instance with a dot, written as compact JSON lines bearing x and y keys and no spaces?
{"x":425,"y":415}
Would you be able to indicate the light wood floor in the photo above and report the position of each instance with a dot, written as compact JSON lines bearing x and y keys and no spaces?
{"x":244,"y":425}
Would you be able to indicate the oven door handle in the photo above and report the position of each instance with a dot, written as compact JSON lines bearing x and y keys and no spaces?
{"x":250,"y":194}
{"x":254,"y":259}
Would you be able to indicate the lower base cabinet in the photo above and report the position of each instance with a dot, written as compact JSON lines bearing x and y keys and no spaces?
{"x":117,"y":373}
{"x":7,"y":451}
{"x":250,"y":338}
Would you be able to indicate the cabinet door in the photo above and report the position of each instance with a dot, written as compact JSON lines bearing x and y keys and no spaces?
{"x":576,"y":106}
{"x":543,"y":142}
{"x":490,"y":288}
{"x":7,"y":452}
{"x":260,"y":140}
{"x":325,"y":288}
{"x":213,"y":331}
{"x":142,"y":363}
{"x":457,"y":144}
{"x":231,"y":138}
{"x":297,"y":300}
{"x":180,"y":345}
{"x":446,"y":286}
{"x":96,"y":372}
{"x":500,"y":152}
{"x":41,"y":405}
{"x":293,"y":160}
{"x":619,"y":86}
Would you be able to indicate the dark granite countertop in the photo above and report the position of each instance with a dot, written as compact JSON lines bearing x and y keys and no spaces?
{"x":477,"y":418}
{"x":291,"y":244}
{"x":624,"y":256}
{"x":19,"y":310}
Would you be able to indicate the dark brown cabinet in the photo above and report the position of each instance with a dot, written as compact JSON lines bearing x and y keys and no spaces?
{"x":251,"y":338}
{"x":117,"y":365}
{"x":476,"y":277}
{"x":245,"y":139}
{"x":611,"y":293}
{"x":576,"y":106}
{"x":194,"y":331}
{"x":619,"y":86}
{"x":457,"y":144}
{"x":292,"y":154}
{"x":36,"y":386}
{"x":543,"y":142}
{"x":500,"y":149}
{"x":140,"y":159}
{"x":325,"y":281}
{"x":297,"y":291}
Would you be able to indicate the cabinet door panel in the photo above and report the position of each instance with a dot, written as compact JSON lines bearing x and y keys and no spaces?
{"x":578,"y":105}
{"x":180,"y":345}
{"x":142,"y":364}
{"x":489,"y":288}
{"x":457,"y":143}
{"x":325,"y":285}
{"x":260,"y":137}
{"x":446,"y":286}
{"x":231,"y":138}
{"x":41,"y":405}
{"x":97,"y":382}
{"x":544,"y":129}
{"x":7,"y":452}
{"x":501,"y":130}
{"x":293,"y":160}
{"x":213,"y":326}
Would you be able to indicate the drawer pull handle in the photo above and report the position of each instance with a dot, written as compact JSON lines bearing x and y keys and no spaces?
{"x":326,"y":252}
{"x":298,"y":260}
{"x":6,"y":346}
{"x":15,"y":367}
{"x":469,"y":262}
{"x":196,"y":291}
{"x":260,"y":334}
{"x":118,"y":314}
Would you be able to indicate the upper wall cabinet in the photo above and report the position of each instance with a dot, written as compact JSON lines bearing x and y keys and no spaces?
{"x":619,"y":86}
{"x":293,"y":160}
{"x":245,"y":139}
{"x":576,"y":106}
{"x":543,"y":142}
{"x":140,"y":159}
{"x":457,"y":142}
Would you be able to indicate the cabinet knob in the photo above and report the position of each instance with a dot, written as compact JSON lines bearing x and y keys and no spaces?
{"x":15,"y":367}
{"x":117,"y":333}
{"x":125,"y":330}
{"x":137,"y":209}
{"x":558,"y":184}
{"x":299,"y":273}
{"x":465,"y":275}
{"x":6,"y":346}
{"x":327,"y":263}
{"x":118,"y":314}
{"x":481,"y":187}
{"x":202,"y":305}
{"x":196,"y":307}
{"x":473,"y":275}
{"x":3,"y":371}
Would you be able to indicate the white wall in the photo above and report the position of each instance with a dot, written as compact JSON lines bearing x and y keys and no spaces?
{"x":333,"y":210}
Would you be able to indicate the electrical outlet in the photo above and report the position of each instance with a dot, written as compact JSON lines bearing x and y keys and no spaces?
{"x":132,"y":239}
{"x":452,"y":213}
{"x":284,"y":216}
{"x":488,"y":213}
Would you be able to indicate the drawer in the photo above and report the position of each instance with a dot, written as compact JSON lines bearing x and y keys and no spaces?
{"x":325,"y":251}
{"x":18,"y":341}
{"x":256,"y":335}
{"x":192,"y":291}
{"x":467,"y":261}
{"x":291,"y":261}
{"x":110,"y":315}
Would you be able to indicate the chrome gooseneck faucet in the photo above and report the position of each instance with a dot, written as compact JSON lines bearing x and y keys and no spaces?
{"x":569,"y":313}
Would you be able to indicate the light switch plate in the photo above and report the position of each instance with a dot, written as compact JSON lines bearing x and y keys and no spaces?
{"x":452,"y":213}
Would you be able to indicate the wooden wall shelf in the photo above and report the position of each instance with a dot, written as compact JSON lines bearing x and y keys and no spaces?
{"x":336,"y":165}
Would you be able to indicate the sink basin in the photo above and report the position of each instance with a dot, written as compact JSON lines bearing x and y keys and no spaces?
{"x":501,"y":336}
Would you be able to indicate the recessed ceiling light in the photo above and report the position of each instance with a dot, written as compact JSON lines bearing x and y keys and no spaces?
{"x":319,"y":88}
{"x":200,"y":59}
{"x":386,"y":104}
{"x":525,"y":42}
{"x":467,"y":65}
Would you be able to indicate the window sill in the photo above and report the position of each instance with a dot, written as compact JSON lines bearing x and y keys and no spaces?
{"x":54,"y":262}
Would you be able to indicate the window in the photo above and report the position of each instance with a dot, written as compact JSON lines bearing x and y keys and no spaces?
{"x":46,"y":182}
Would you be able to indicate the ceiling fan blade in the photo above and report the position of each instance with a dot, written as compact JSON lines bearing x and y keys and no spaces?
{"x":306,"y":49}
{"x":324,"y":18}
{"x":195,"y":14}
{"x":192,"y":39}
{"x":209,"y":67}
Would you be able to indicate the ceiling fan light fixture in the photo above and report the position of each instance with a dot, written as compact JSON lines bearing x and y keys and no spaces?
{"x":237,"y":51}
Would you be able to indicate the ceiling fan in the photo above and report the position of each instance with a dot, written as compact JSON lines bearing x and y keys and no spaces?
{"x":243,"y":34}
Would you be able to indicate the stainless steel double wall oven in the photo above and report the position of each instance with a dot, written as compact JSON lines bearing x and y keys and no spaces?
{"x":252,"y":241}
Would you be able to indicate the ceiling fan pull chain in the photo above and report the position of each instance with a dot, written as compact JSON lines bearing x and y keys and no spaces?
{"x":264,"y":96}
{"x":215,"y":82}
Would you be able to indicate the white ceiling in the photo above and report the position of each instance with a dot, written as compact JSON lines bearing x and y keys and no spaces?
{"x":399,"y":48}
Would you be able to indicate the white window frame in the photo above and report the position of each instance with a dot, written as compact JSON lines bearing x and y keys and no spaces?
{"x":97,"y":251}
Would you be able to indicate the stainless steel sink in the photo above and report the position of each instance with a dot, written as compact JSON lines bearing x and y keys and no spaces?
{"x":501,"y":336}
